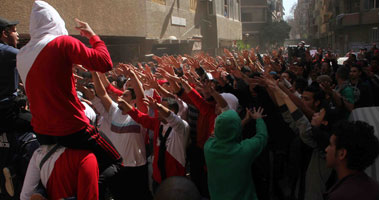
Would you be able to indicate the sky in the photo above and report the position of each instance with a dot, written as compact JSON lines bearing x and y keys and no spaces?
{"x":288,"y":5}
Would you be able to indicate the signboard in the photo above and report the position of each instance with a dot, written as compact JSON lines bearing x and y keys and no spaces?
{"x":197,"y":46}
{"x":179,"y":21}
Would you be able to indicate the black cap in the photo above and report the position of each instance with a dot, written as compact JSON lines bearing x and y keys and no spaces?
{"x":4,"y":23}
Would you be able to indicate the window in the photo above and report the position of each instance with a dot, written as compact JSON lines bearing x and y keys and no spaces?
{"x":246,"y":17}
{"x":253,"y":14}
{"x":193,"y":4}
{"x":232,"y":9}
{"x":219,"y":9}
{"x":210,"y":7}
{"x":375,"y":34}
{"x":237,"y":10}
{"x":370,"y":4}
{"x":163,"y":2}
{"x":352,"y":6}
{"x":226,"y":8}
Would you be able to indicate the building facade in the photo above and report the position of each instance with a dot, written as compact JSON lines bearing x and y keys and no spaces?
{"x":221,"y":26}
{"x":256,"y":14}
{"x":342,"y":25}
{"x":277,"y":10}
{"x":301,"y":19}
{"x":132,"y":29}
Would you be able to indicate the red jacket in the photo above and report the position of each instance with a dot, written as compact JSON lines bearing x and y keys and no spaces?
{"x":50,"y":84}
{"x":75,"y":174}
{"x":206,"y":117}
{"x":172,"y":166}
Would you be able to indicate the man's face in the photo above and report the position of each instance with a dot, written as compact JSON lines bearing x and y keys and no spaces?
{"x":308,"y":100}
{"x":10,"y":36}
{"x":127,"y":96}
{"x":354,"y":73}
{"x":331,"y":157}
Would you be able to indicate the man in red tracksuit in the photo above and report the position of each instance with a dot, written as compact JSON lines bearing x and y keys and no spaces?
{"x":80,"y":171}
{"x":45,"y":67}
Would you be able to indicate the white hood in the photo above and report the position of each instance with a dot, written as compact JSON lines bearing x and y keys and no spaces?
{"x":45,"y":25}
{"x":45,"y":20}
{"x":232,"y":101}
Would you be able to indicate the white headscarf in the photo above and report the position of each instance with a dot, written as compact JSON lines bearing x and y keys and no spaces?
{"x":45,"y":25}
{"x":232,"y":101}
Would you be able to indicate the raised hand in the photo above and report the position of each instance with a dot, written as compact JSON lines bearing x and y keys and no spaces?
{"x":124,"y":106}
{"x":253,"y":55}
{"x":151,"y":81}
{"x":257,"y":114}
{"x":318,"y":118}
{"x":167,"y":75}
{"x":80,"y":67}
{"x":193,"y":63}
{"x":175,"y":62}
{"x":139,"y":65}
{"x":78,"y":77}
{"x":88,"y":93}
{"x":119,"y":69}
{"x":216,"y":74}
{"x":242,"y":60}
{"x":266,"y":60}
{"x":151,"y":102}
{"x":84,"y":28}
{"x":126,"y":70}
{"x":158,"y":59}
{"x":271,"y":83}
{"x":247,"y":114}
{"x":228,"y":53}
{"x":326,"y":87}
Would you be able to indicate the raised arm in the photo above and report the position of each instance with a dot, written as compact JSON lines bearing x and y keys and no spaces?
{"x":137,"y":87}
{"x":96,"y":58}
{"x":218,"y":98}
{"x":337,"y":98}
{"x":256,"y":144}
{"x":198,"y":101}
{"x":152,"y":81}
{"x":101,"y":91}
{"x":144,"y":119}
{"x":298,"y":102}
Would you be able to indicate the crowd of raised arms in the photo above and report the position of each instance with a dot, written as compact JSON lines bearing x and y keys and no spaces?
{"x":242,"y":125}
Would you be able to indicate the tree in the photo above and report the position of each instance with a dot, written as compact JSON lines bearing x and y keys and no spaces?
{"x":275,"y":33}
{"x":242,"y":45}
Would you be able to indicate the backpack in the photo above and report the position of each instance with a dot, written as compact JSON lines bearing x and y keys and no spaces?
{"x":16,"y":149}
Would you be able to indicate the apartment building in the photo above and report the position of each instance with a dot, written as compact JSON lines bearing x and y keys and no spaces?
{"x":344,"y":24}
{"x":132,"y":29}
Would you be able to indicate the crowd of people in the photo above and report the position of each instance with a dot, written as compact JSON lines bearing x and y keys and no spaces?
{"x":242,"y":125}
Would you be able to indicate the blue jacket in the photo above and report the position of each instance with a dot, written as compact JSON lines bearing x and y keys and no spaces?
{"x":8,"y":71}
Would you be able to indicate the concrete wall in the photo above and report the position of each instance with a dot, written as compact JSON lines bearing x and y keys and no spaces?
{"x":109,"y":18}
{"x":159,"y":20}
{"x":228,"y":29}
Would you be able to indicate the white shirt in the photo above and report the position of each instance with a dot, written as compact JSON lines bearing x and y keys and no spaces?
{"x":125,"y":134}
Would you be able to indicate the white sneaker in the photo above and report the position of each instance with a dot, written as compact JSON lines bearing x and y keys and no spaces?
{"x":8,"y":182}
